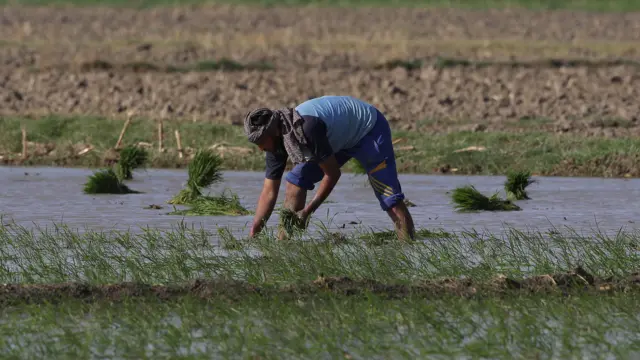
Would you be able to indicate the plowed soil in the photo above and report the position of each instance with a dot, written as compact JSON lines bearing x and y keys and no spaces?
{"x":45,"y":53}
{"x":577,"y":280}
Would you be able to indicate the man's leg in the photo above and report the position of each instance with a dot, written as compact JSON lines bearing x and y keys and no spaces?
{"x":403,"y":221}
{"x":375,"y":152}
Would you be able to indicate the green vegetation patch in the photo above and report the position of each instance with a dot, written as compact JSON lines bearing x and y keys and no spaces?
{"x":365,"y":327}
{"x":542,"y":153}
{"x":159,"y":293}
{"x":222,"y":64}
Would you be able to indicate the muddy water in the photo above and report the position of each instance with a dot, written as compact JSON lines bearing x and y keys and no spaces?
{"x":44,"y":196}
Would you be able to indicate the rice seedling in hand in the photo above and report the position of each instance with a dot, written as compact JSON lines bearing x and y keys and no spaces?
{"x":290,"y":222}
{"x":131,"y":157}
{"x":468,"y":198}
{"x":204,"y":170}
{"x":106,"y":182}
{"x":516,"y":183}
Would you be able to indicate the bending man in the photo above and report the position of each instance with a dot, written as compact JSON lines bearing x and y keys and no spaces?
{"x":320,"y":136}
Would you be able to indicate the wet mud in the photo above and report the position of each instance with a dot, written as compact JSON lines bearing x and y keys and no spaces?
{"x":576,"y":281}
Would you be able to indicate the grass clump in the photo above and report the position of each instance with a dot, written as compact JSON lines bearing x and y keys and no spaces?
{"x":516,"y":183}
{"x":204,"y":170}
{"x":131,"y":157}
{"x":468,"y":198}
{"x":106,"y":181}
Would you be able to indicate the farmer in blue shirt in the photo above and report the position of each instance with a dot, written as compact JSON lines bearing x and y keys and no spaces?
{"x":320,"y":136}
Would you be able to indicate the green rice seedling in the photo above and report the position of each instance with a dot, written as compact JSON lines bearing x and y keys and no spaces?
{"x":468,"y":198}
{"x":224,"y":204}
{"x":516,"y":183}
{"x":131,"y":157}
{"x":228,"y":241}
{"x":204,"y":170}
{"x":347,"y":327}
{"x":290,"y":222}
{"x":381,"y":237}
{"x":106,"y":182}
{"x":358,"y":168}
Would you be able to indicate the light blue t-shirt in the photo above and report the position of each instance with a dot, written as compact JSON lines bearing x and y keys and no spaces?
{"x":348,"y":119}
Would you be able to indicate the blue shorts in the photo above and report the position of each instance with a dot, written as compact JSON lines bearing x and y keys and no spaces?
{"x":375,"y":152}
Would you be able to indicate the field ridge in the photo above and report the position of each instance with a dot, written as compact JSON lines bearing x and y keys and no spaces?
{"x":577,"y":280}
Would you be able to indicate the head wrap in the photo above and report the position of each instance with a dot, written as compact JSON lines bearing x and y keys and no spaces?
{"x":262,"y":122}
{"x":258,"y":123}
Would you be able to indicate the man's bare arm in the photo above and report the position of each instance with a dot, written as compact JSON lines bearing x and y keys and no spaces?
{"x":332,"y":174}
{"x":266,"y":204}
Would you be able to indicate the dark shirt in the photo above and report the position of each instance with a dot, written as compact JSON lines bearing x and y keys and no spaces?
{"x":315,"y":131}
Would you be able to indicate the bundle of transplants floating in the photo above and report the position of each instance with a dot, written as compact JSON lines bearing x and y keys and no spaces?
{"x":204,"y":170}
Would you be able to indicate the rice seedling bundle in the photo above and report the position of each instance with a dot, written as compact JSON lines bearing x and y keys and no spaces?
{"x":516,"y":183}
{"x":131,"y":157}
{"x":468,"y":198}
{"x":204,"y":171}
{"x":106,"y":181}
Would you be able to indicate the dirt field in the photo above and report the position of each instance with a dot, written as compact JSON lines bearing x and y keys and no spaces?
{"x":327,"y":51}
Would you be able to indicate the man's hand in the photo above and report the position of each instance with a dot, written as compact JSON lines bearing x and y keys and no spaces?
{"x":255,"y":229}
{"x":303,"y":216}
{"x":331,"y":176}
{"x":266,"y":203}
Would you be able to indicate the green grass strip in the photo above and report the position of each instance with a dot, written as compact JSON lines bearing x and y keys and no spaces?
{"x":542,"y":153}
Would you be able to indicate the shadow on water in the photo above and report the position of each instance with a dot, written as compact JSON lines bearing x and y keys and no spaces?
{"x":42,"y":196}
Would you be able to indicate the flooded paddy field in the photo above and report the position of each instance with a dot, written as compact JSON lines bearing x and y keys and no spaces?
{"x":44,"y":196}
{"x":101,"y":276}
{"x":114,"y":276}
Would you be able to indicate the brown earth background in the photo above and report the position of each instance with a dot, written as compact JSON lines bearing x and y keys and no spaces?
{"x":103,"y":61}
